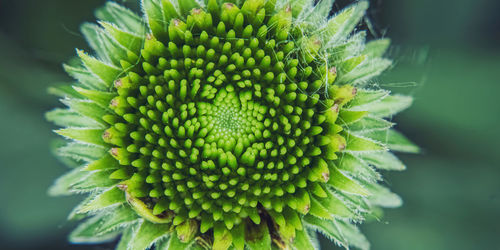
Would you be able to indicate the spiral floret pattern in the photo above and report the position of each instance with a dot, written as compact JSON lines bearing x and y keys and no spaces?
{"x":227,"y":123}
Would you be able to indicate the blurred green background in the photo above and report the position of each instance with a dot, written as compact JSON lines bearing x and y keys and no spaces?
{"x":447,"y":55}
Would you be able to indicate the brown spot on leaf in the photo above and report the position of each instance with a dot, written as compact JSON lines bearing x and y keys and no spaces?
{"x":335,"y":108}
{"x":354,"y":91}
{"x":122,"y":187}
{"x":333,"y":70}
{"x":326,"y":176}
{"x":341,"y":147}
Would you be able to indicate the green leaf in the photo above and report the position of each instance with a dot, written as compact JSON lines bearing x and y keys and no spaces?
{"x":365,"y":71}
{"x":64,"y":91}
{"x":62,"y":186}
{"x":365,"y":97}
{"x":382,"y":196}
{"x":96,"y":180}
{"x":343,"y":183}
{"x":68,"y":118}
{"x":360,"y":144}
{"x":55,"y":145}
{"x":92,"y":136}
{"x":303,"y":241}
{"x":336,"y":206}
{"x":349,"y":117}
{"x":357,"y":168}
{"x":99,"y":97}
{"x":154,"y":16}
{"x":126,"y":238}
{"x":86,"y":232}
{"x":222,"y":237}
{"x":394,"y":140}
{"x":383,"y":160}
{"x":376,"y":48}
{"x":124,"y":18}
{"x":148,"y":234}
{"x":129,"y":40}
{"x":318,"y":210}
{"x":328,"y":228}
{"x":258,"y":237}
{"x":300,"y":6}
{"x":389,"y":106}
{"x":173,"y":243}
{"x":122,"y":216}
{"x":92,"y":34}
{"x":106,"y":162}
{"x":106,"y":72}
{"x":352,"y":235}
{"x":81,"y":152}
{"x":369,"y":123}
{"x":110,"y":197}
{"x":87,"y":108}
{"x":85,"y":77}
{"x":341,"y":25}
{"x":238,"y":233}
{"x":320,"y":12}
{"x":185,"y":6}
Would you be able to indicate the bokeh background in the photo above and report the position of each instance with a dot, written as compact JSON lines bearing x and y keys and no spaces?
{"x":447,"y":55}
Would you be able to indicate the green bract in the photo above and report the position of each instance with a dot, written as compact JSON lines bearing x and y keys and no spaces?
{"x":225,"y":124}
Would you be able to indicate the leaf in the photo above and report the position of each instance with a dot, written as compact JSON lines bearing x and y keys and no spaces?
{"x":343,"y":183}
{"x":383,"y":160}
{"x":376,"y":48}
{"x":389,"y":106}
{"x":349,"y":117}
{"x":106,"y":162}
{"x":357,"y":168}
{"x":64,"y":91}
{"x":122,"y":216}
{"x":328,"y":228}
{"x":129,"y":40}
{"x":154,"y":16}
{"x":85,"y":77}
{"x":238,"y":235}
{"x":126,"y":238}
{"x":86,"y":232}
{"x":300,"y":6}
{"x":105,"y":71}
{"x":99,"y":97}
{"x":393,"y":140}
{"x":318,"y":210}
{"x":336,"y":206}
{"x":92,"y":34}
{"x":352,"y":235}
{"x":110,"y":197}
{"x":173,"y":243}
{"x":383,"y":197}
{"x":68,"y":118}
{"x":369,"y":123}
{"x":148,"y":234}
{"x":257,"y":236}
{"x":365,"y":71}
{"x":124,"y":18}
{"x":365,"y":97}
{"x":62,"y":186}
{"x":96,"y":180}
{"x":320,"y":12}
{"x":341,"y":25}
{"x":360,"y":144}
{"x":222,"y":237}
{"x":87,"y":108}
{"x":81,"y":152}
{"x":92,"y":136}
{"x":303,"y":241}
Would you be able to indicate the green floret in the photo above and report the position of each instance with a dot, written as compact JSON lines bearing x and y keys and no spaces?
{"x":228,"y":124}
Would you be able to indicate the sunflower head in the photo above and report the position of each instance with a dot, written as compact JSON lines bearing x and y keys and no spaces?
{"x":218,"y":124}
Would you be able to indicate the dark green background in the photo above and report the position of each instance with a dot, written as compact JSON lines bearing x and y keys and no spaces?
{"x":447,"y":55}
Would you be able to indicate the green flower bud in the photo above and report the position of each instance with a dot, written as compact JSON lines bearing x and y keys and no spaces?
{"x":227,"y":124}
